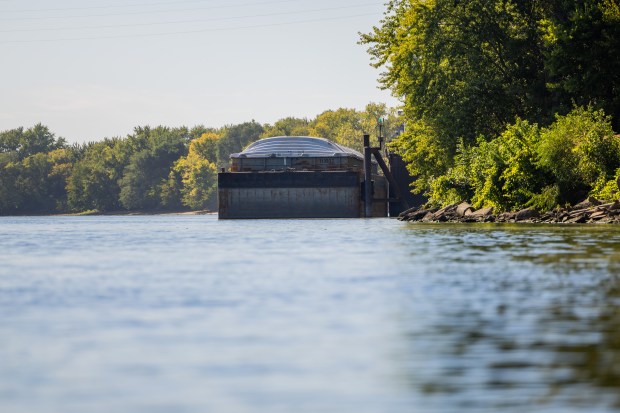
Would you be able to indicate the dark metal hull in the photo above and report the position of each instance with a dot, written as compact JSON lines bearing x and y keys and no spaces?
{"x":333,"y":194}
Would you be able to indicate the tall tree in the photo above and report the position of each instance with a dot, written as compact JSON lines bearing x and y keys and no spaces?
{"x":93,"y":183}
{"x":582,"y":40}
{"x":145,"y":177}
{"x":198,"y":173}
{"x":235,"y":138}
{"x":469,"y":68}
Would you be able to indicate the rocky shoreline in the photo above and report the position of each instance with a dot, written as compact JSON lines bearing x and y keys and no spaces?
{"x":590,"y":211}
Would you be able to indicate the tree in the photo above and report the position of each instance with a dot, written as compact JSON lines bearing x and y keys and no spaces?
{"x":582,"y":42}
{"x":30,"y":173}
{"x":93,"y":183}
{"x":198,"y":173}
{"x":465,"y":69}
{"x":24,"y":143}
{"x":235,"y":138}
{"x":144,"y":181}
{"x":287,"y":127}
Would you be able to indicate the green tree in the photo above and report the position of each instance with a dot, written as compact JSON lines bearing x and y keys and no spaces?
{"x":37,"y":139}
{"x":30,"y":173}
{"x":580,"y":151}
{"x":93,"y":183}
{"x":582,"y":44}
{"x":198,"y":173}
{"x":144,"y":184}
{"x":235,"y":138}
{"x":287,"y":127}
{"x":464,"y":68}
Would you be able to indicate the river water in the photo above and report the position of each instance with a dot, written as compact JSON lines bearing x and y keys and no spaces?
{"x":178,"y":313}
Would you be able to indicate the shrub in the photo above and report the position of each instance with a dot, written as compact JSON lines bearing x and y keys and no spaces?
{"x":580,"y":151}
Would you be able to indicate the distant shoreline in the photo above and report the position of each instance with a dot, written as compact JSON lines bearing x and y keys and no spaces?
{"x":124,"y":213}
{"x":117,"y":213}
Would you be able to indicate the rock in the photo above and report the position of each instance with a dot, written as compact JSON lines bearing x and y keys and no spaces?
{"x":483,"y":212}
{"x":447,"y":209}
{"x":408,"y":211}
{"x":440,"y":218}
{"x":587,"y":203}
{"x":579,"y":219}
{"x":505,"y":217}
{"x":417,"y":215}
{"x":527,"y":213}
{"x":430,"y":216}
{"x":598,"y":215}
{"x":462,"y":208}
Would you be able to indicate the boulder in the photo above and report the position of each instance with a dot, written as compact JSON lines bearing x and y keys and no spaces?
{"x":598,"y":215}
{"x":463,"y":208}
{"x":587,"y":203}
{"x":408,"y":211}
{"x":483,"y":212}
{"x":416,"y":215}
{"x":505,"y":217}
{"x":527,"y":213}
{"x":579,"y":219}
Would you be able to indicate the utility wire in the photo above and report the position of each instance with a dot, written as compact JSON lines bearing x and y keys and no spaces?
{"x":188,"y":31}
{"x":104,"y":7}
{"x":227,"y":6}
{"x":186,"y":21}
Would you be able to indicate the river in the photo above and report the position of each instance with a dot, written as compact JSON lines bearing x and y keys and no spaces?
{"x":189,"y":314}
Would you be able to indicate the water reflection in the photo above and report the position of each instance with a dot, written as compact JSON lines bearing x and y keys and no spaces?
{"x":537,"y":322}
{"x":191,"y":314}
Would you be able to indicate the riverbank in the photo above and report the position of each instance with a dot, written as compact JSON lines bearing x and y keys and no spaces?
{"x":122,"y":213}
{"x":590,"y":211}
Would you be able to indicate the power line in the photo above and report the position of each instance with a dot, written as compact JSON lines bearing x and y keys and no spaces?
{"x":142,"y":12}
{"x":188,"y":31}
{"x":186,"y":21}
{"x":103,"y":7}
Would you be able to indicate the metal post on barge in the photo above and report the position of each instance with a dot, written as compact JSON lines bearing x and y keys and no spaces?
{"x":367,"y":177}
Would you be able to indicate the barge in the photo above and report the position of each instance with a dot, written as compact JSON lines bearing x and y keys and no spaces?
{"x":301,"y":177}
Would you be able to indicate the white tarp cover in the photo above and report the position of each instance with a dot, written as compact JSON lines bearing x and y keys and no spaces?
{"x":295,"y":146}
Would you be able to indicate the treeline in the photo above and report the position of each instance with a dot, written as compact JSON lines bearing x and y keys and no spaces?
{"x":507,"y":103}
{"x":152,"y":169}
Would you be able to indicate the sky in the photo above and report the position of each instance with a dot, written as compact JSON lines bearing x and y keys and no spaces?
{"x":90,"y":69}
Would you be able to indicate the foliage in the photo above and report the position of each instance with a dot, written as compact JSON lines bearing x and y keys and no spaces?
{"x":235,"y":138}
{"x":25,"y":143}
{"x":93,"y":183}
{"x":420,"y":146}
{"x":347,"y":126}
{"x":151,"y":169}
{"x":582,"y":55}
{"x":34,"y":166}
{"x":198,"y":173}
{"x":144,"y":178}
{"x":465,"y":69}
{"x":287,"y":127}
{"x":538,"y":167}
{"x":607,"y":190}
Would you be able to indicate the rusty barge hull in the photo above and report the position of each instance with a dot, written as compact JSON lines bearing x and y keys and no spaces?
{"x":263,"y":195}
{"x":297,"y":177}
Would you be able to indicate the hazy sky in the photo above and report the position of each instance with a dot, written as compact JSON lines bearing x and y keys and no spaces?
{"x":91,"y":69}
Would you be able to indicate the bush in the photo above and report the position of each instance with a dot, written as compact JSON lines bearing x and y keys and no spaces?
{"x":501,"y":173}
{"x":537,"y":167}
{"x":581,"y":152}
